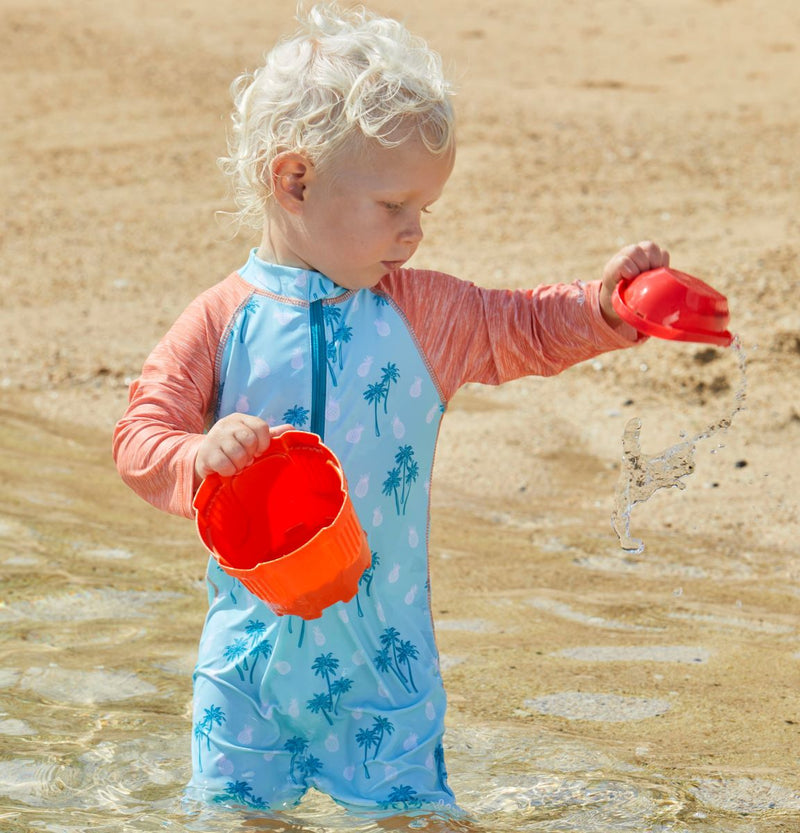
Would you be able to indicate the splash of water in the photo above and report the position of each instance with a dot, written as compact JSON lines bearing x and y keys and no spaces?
{"x":641,"y":476}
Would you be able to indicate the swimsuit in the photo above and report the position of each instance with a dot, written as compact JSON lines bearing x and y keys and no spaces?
{"x":351,"y":703}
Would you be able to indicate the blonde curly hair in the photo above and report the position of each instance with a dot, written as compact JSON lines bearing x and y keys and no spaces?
{"x":344,"y":74}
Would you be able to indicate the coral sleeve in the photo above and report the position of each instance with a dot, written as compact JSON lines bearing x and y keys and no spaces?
{"x":474,"y":334}
{"x":156,"y":440}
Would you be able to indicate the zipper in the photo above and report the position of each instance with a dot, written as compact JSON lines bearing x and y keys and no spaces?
{"x":319,"y":368}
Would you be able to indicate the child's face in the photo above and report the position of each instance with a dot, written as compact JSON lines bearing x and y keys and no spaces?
{"x":361,"y":214}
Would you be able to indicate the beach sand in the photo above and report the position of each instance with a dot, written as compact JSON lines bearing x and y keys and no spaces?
{"x":582,"y":127}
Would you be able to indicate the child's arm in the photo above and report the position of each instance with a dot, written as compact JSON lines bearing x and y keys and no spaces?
{"x":473,"y":334}
{"x":160,"y":444}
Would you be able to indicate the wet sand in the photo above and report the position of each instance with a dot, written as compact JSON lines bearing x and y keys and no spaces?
{"x":582,"y":127}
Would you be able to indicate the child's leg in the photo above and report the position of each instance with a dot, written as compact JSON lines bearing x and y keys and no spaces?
{"x":404,"y":772}
{"x":239,"y":757}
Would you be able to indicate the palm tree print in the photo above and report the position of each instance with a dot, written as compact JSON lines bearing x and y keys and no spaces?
{"x":390,"y":375}
{"x":235,"y":652}
{"x":260,"y":646}
{"x":393,"y":652}
{"x":338,"y":688}
{"x":301,"y":764}
{"x":405,"y":653}
{"x":212,"y":716}
{"x":309,"y":766}
{"x":240,"y":792}
{"x":366,"y":579}
{"x":296,"y":416}
{"x":254,"y":629}
{"x":389,"y":640}
{"x":320,"y":703}
{"x":378,"y":392}
{"x":252,"y":646}
{"x":392,"y":485}
{"x":342,"y":336}
{"x":401,"y":478}
{"x":402,"y":797}
{"x":410,"y":471}
{"x":339,"y":335}
{"x":326,"y":666}
{"x":297,"y":746}
{"x":374,"y":396}
{"x":323,"y":666}
{"x":366,"y":739}
{"x":260,"y":649}
{"x":383,"y":727}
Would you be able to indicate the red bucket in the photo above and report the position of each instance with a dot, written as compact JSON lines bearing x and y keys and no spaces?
{"x":669,"y":304}
{"x":285,"y":527}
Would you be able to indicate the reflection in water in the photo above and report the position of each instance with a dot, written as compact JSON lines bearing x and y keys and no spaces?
{"x":99,"y":618}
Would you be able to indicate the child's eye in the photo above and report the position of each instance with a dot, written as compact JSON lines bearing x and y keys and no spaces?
{"x":392,"y":206}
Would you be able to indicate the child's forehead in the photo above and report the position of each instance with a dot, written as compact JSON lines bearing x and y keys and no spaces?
{"x":402,"y":162}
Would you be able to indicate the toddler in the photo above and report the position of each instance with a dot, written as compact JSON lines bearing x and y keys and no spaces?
{"x":340,"y":144}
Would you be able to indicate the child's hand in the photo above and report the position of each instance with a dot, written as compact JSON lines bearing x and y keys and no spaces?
{"x":232,"y":444}
{"x":627,"y":263}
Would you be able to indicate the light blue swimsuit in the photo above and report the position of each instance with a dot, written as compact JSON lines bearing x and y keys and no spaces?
{"x":351,"y":703}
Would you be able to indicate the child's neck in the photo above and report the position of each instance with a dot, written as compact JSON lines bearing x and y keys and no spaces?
{"x":273,"y":249}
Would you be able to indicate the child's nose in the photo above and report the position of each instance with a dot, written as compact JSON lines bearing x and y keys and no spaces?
{"x":412,"y":231}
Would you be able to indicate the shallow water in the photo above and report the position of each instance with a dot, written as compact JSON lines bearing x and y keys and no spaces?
{"x":102,"y":602}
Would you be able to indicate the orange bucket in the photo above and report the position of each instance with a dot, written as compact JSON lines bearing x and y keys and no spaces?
{"x":285,"y":527}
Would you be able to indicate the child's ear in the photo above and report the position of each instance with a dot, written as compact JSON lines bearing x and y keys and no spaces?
{"x":290,"y":172}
